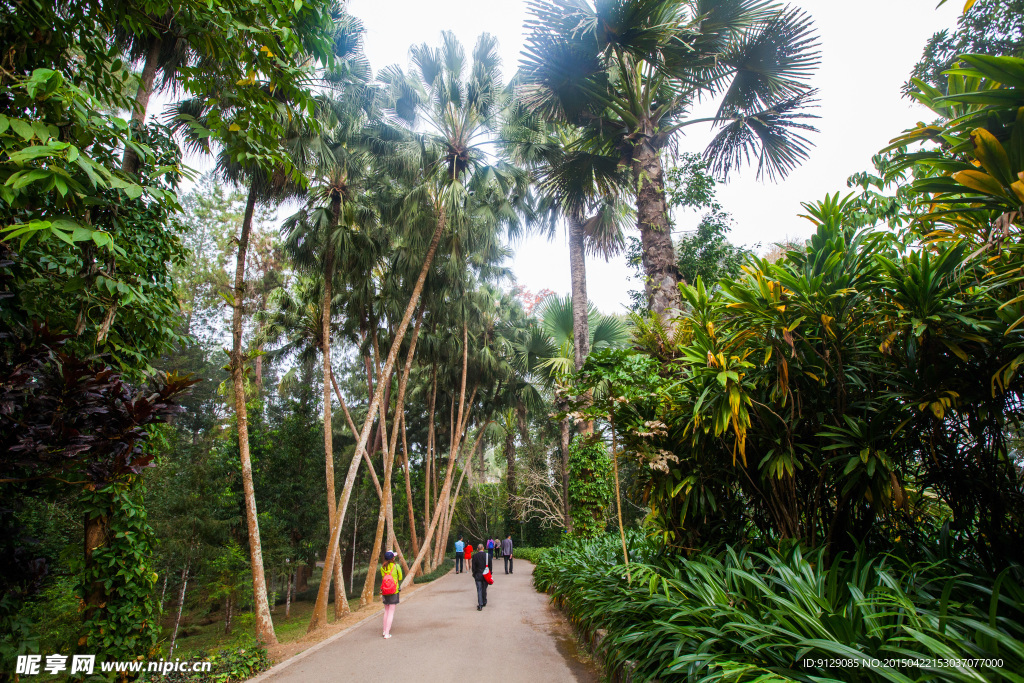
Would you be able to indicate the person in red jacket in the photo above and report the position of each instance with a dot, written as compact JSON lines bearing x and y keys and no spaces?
{"x":468,"y":553}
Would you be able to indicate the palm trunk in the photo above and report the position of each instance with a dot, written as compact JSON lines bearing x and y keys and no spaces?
{"x":288,"y":595}
{"x":566,"y":508}
{"x":340,"y":599}
{"x":320,"y":608}
{"x":390,"y":445}
{"x":454,"y":449}
{"x":618,"y":495}
{"x":264,"y":623}
{"x":371,"y":569}
{"x":659,"y":258}
{"x":580,"y":305}
{"x":428,"y":475}
{"x":130,"y":160}
{"x":510,"y":470}
{"x":408,"y":489}
{"x":441,"y":541}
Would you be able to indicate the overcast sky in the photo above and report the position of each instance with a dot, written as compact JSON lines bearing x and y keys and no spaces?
{"x":868,"y":49}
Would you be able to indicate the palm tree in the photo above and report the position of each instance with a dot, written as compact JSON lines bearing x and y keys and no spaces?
{"x":441,"y":115}
{"x":338,"y":164}
{"x":266,"y":186}
{"x":551,"y":354}
{"x":628,"y":72}
{"x":580,"y":186}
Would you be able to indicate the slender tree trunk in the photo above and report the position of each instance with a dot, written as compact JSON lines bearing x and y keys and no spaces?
{"x":371,"y":569}
{"x":130,"y":160}
{"x":659,"y":258}
{"x":320,"y":608}
{"x":288,"y":595}
{"x":227,"y":615}
{"x":428,"y":478}
{"x":163,"y":594}
{"x":580,"y":304}
{"x":618,"y":495}
{"x":510,"y":471}
{"x":355,"y":526}
{"x":264,"y":623}
{"x":454,"y":449}
{"x":408,"y":489}
{"x":441,"y":543}
{"x":565,"y":474}
{"x":181,"y":604}
{"x":341,"y":606}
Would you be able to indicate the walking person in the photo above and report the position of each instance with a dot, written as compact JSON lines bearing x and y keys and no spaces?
{"x":479,"y":568}
{"x":467,"y":554}
{"x":490,"y":553}
{"x":390,"y":585}
{"x":459,"y":549}
{"x":506,"y":552}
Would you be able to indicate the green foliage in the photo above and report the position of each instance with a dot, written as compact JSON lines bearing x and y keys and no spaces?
{"x":589,"y":486}
{"x":990,"y":27}
{"x":230,"y":665}
{"x":705,"y":251}
{"x":737,"y":613}
{"x":124,"y":625}
{"x":533,"y":555}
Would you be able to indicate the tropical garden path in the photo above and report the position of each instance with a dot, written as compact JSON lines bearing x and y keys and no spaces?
{"x":438,"y":635}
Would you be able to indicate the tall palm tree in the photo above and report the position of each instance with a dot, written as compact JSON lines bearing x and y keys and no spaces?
{"x":440,"y":117}
{"x":584,"y":188}
{"x":549,"y":351}
{"x":337,"y":165}
{"x":629,"y":71}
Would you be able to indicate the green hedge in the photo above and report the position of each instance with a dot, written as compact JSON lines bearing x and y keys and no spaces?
{"x":746,"y":616}
{"x":530,"y":554}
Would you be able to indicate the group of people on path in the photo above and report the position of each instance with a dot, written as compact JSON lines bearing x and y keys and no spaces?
{"x":481,"y":563}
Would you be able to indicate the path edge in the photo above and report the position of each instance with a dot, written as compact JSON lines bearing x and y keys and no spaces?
{"x":278,"y":668}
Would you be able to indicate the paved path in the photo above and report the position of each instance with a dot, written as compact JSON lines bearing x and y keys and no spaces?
{"x":438,"y":635}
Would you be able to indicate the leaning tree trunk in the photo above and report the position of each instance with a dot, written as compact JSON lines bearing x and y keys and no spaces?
{"x":658,"y":256}
{"x":440,"y":507}
{"x":371,"y":569}
{"x":264,"y":623}
{"x":340,"y":599}
{"x":181,"y":604}
{"x":320,"y":608}
{"x":130,"y":160}
{"x":390,"y":445}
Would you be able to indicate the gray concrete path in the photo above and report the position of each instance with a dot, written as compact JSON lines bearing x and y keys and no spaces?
{"x":438,"y":635}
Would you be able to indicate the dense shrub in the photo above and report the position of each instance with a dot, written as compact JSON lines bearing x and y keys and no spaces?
{"x":740,"y":615}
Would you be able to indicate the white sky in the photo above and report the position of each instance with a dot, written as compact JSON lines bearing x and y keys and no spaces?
{"x":868,"y":49}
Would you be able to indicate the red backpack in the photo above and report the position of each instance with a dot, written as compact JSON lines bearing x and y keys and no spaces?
{"x":388,"y":585}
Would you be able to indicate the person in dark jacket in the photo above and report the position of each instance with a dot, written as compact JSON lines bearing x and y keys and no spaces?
{"x":506,"y":552}
{"x":479,"y":563}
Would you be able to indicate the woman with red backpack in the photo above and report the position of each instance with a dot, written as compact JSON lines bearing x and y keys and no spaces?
{"x":390,"y":585}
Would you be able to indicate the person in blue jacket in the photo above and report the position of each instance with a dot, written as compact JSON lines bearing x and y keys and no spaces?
{"x":460,"y":547}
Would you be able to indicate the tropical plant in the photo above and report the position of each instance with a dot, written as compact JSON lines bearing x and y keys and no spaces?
{"x":787,"y":615}
{"x":628,"y":73}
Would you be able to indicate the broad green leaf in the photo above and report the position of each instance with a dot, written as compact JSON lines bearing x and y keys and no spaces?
{"x":22,"y":128}
{"x":992,"y":155}
{"x":981,"y":182}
